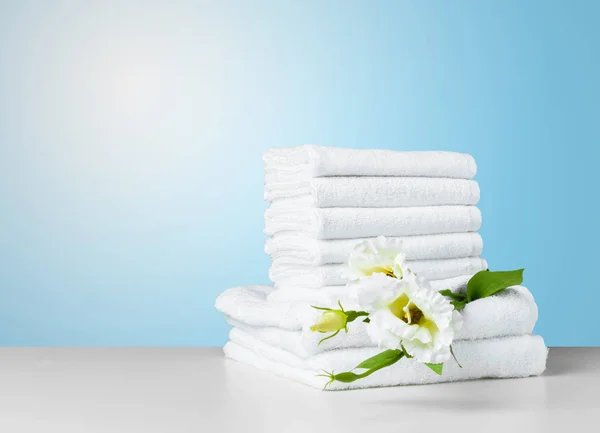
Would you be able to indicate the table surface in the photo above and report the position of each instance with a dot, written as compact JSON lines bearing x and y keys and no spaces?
{"x":88,"y":390}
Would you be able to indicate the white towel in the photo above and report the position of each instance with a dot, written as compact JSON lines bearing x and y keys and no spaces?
{"x":248,"y":304}
{"x":345,"y":223}
{"x":313,"y":277}
{"x":325,"y":294}
{"x":512,"y":312}
{"x":378,"y":191}
{"x":308,"y":161}
{"x":520,"y":356}
{"x":302,"y":250}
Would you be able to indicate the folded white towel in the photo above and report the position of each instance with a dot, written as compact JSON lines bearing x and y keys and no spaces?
{"x":325,"y":294}
{"x":378,"y":191}
{"x":308,"y":161}
{"x":512,"y":312}
{"x":248,"y":304}
{"x":303,"y":250}
{"x":313,"y":277}
{"x":346,"y":223}
{"x":520,"y":356}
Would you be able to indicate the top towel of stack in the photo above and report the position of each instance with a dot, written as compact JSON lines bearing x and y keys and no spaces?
{"x":323,"y":194}
{"x":314,"y":177}
{"x":334,"y":177}
{"x":303,"y":163}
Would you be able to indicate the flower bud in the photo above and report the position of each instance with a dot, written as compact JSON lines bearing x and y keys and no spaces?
{"x":330,"y":321}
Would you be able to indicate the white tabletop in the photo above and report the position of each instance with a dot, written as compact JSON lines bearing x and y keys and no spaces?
{"x":130,"y":390}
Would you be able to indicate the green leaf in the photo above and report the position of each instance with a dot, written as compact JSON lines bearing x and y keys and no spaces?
{"x":382,"y":358}
{"x":459,"y":300}
{"x":450,"y":294}
{"x":377,"y":362}
{"x":487,"y":283}
{"x":459,"y":305}
{"x":435,"y":367}
{"x":351,"y":316}
{"x":367,"y":320}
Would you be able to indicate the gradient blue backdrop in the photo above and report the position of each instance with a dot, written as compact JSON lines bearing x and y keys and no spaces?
{"x":131,"y":135}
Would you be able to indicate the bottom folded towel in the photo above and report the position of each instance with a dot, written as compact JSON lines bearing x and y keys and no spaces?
{"x":505,"y":357}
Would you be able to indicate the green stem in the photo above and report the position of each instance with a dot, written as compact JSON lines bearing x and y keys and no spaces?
{"x":454,"y":356}
{"x":330,"y":336}
{"x":349,"y":376}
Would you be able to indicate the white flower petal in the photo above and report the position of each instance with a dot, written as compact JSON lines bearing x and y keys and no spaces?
{"x":378,"y":255}
{"x":427,"y":339}
{"x":422,"y":334}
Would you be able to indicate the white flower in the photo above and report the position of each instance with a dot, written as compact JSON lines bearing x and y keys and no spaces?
{"x":407,"y":313}
{"x":380,"y":255}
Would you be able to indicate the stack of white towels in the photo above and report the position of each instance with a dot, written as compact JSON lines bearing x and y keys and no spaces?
{"x":326,"y":200}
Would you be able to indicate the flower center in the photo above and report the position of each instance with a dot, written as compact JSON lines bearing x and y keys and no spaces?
{"x":404,"y":309}
{"x":379,"y":269}
{"x":412,"y":314}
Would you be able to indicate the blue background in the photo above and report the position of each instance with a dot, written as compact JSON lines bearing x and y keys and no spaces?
{"x":131,"y":136}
